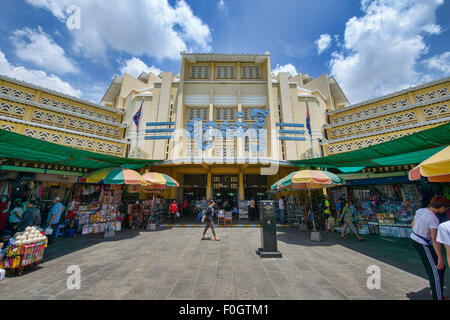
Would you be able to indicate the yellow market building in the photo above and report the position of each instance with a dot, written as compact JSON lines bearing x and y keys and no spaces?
{"x":388,"y":117}
{"x":59,"y":118}
{"x":224,"y":126}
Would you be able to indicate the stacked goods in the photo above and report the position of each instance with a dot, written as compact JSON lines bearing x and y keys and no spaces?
{"x":30,"y":236}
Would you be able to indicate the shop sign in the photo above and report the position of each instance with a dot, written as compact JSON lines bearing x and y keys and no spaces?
{"x":204,"y":134}
{"x":389,"y":168}
{"x":39,"y":165}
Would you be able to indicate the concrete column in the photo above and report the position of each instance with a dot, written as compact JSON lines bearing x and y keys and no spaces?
{"x":179,"y":139}
{"x":241,"y":185}
{"x":208,"y":185}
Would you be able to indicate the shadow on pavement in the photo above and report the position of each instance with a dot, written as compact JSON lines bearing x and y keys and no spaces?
{"x":397,"y":252}
{"x":64,"y":246}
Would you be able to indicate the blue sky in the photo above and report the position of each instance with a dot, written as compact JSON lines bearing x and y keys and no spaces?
{"x":371,"y":47}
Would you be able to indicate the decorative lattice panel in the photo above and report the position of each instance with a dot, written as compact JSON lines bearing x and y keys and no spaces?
{"x":225,"y":114}
{"x":200,"y":112}
{"x":6,"y":108}
{"x":56,"y":138}
{"x":251,"y":72}
{"x":30,"y":132}
{"x":199,"y":71}
{"x":7,"y":127}
{"x":225,"y":72}
{"x":442,"y":92}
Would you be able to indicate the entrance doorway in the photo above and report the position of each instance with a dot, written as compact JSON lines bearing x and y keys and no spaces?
{"x":255,"y":187}
{"x":225,"y":189}
{"x":194,"y":186}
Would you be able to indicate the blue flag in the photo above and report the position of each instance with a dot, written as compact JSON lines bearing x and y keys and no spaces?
{"x":137,"y":116}
{"x":308,"y":118}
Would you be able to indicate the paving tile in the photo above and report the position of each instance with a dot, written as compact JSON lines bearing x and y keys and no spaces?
{"x":230,"y":269}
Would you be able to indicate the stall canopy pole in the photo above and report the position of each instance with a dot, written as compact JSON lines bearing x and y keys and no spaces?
{"x":311,"y":208}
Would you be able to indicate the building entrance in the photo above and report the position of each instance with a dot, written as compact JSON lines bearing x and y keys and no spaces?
{"x":225,"y":189}
{"x":255,"y":187}
{"x":194,"y":186}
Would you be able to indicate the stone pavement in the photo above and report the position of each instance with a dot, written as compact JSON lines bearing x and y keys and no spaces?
{"x":173,"y":263}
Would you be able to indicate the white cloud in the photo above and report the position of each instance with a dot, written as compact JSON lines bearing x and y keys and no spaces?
{"x":39,"y":48}
{"x":286,"y":68}
{"x":440,"y":62}
{"x":382,"y":48}
{"x":323,"y":43}
{"x":135,"y":66}
{"x":139,"y":27}
{"x":36,"y":77}
{"x":221,"y":4}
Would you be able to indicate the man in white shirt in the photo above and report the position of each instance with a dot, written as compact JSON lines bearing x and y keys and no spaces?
{"x":424,"y":227}
{"x":443,"y":236}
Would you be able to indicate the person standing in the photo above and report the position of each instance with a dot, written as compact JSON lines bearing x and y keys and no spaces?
{"x":347,"y":218}
{"x":4,"y":208}
{"x":173,"y":209}
{"x":282,"y":207}
{"x":184,"y":208}
{"x":327,"y":214}
{"x":423,"y":238}
{"x":209,"y":216}
{"x":443,"y":236}
{"x":15,"y":216}
{"x":54,"y":217}
{"x":251,"y":210}
{"x":30,"y":216}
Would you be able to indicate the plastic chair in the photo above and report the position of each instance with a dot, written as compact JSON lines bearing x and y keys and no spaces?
{"x":60,"y":231}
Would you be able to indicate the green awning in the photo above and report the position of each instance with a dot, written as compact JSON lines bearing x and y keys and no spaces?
{"x":20,"y":147}
{"x":407,"y":150}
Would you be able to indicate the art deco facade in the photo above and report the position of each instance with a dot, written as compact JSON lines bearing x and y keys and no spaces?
{"x":389,"y":117}
{"x":224,"y":95}
{"x":55,"y":117}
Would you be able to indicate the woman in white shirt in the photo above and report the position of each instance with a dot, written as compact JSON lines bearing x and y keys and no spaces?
{"x":443,"y":236}
{"x":424,"y":227}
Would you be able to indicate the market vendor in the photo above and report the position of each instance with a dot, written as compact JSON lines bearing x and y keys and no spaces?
{"x":71,"y":226}
{"x":53,"y":218}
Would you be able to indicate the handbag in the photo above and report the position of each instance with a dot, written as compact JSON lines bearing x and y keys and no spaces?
{"x":48,"y":231}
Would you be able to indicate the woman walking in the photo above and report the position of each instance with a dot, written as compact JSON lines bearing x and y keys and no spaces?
{"x":425,"y":226}
{"x":347,"y":217}
{"x":209,"y":216}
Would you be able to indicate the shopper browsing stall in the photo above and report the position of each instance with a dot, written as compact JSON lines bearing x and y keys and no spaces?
{"x":53,"y":218}
{"x":347,"y":217}
{"x":423,"y":238}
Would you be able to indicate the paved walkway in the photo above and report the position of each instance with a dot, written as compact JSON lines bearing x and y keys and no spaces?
{"x":173,"y":263}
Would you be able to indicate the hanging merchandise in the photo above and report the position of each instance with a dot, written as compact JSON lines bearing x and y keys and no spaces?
{"x":387,"y":210}
{"x":142,"y":214}
{"x":97,"y":206}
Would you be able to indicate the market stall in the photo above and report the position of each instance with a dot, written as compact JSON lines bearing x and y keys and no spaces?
{"x":307,"y":180}
{"x":382,"y":209}
{"x":25,"y":249}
